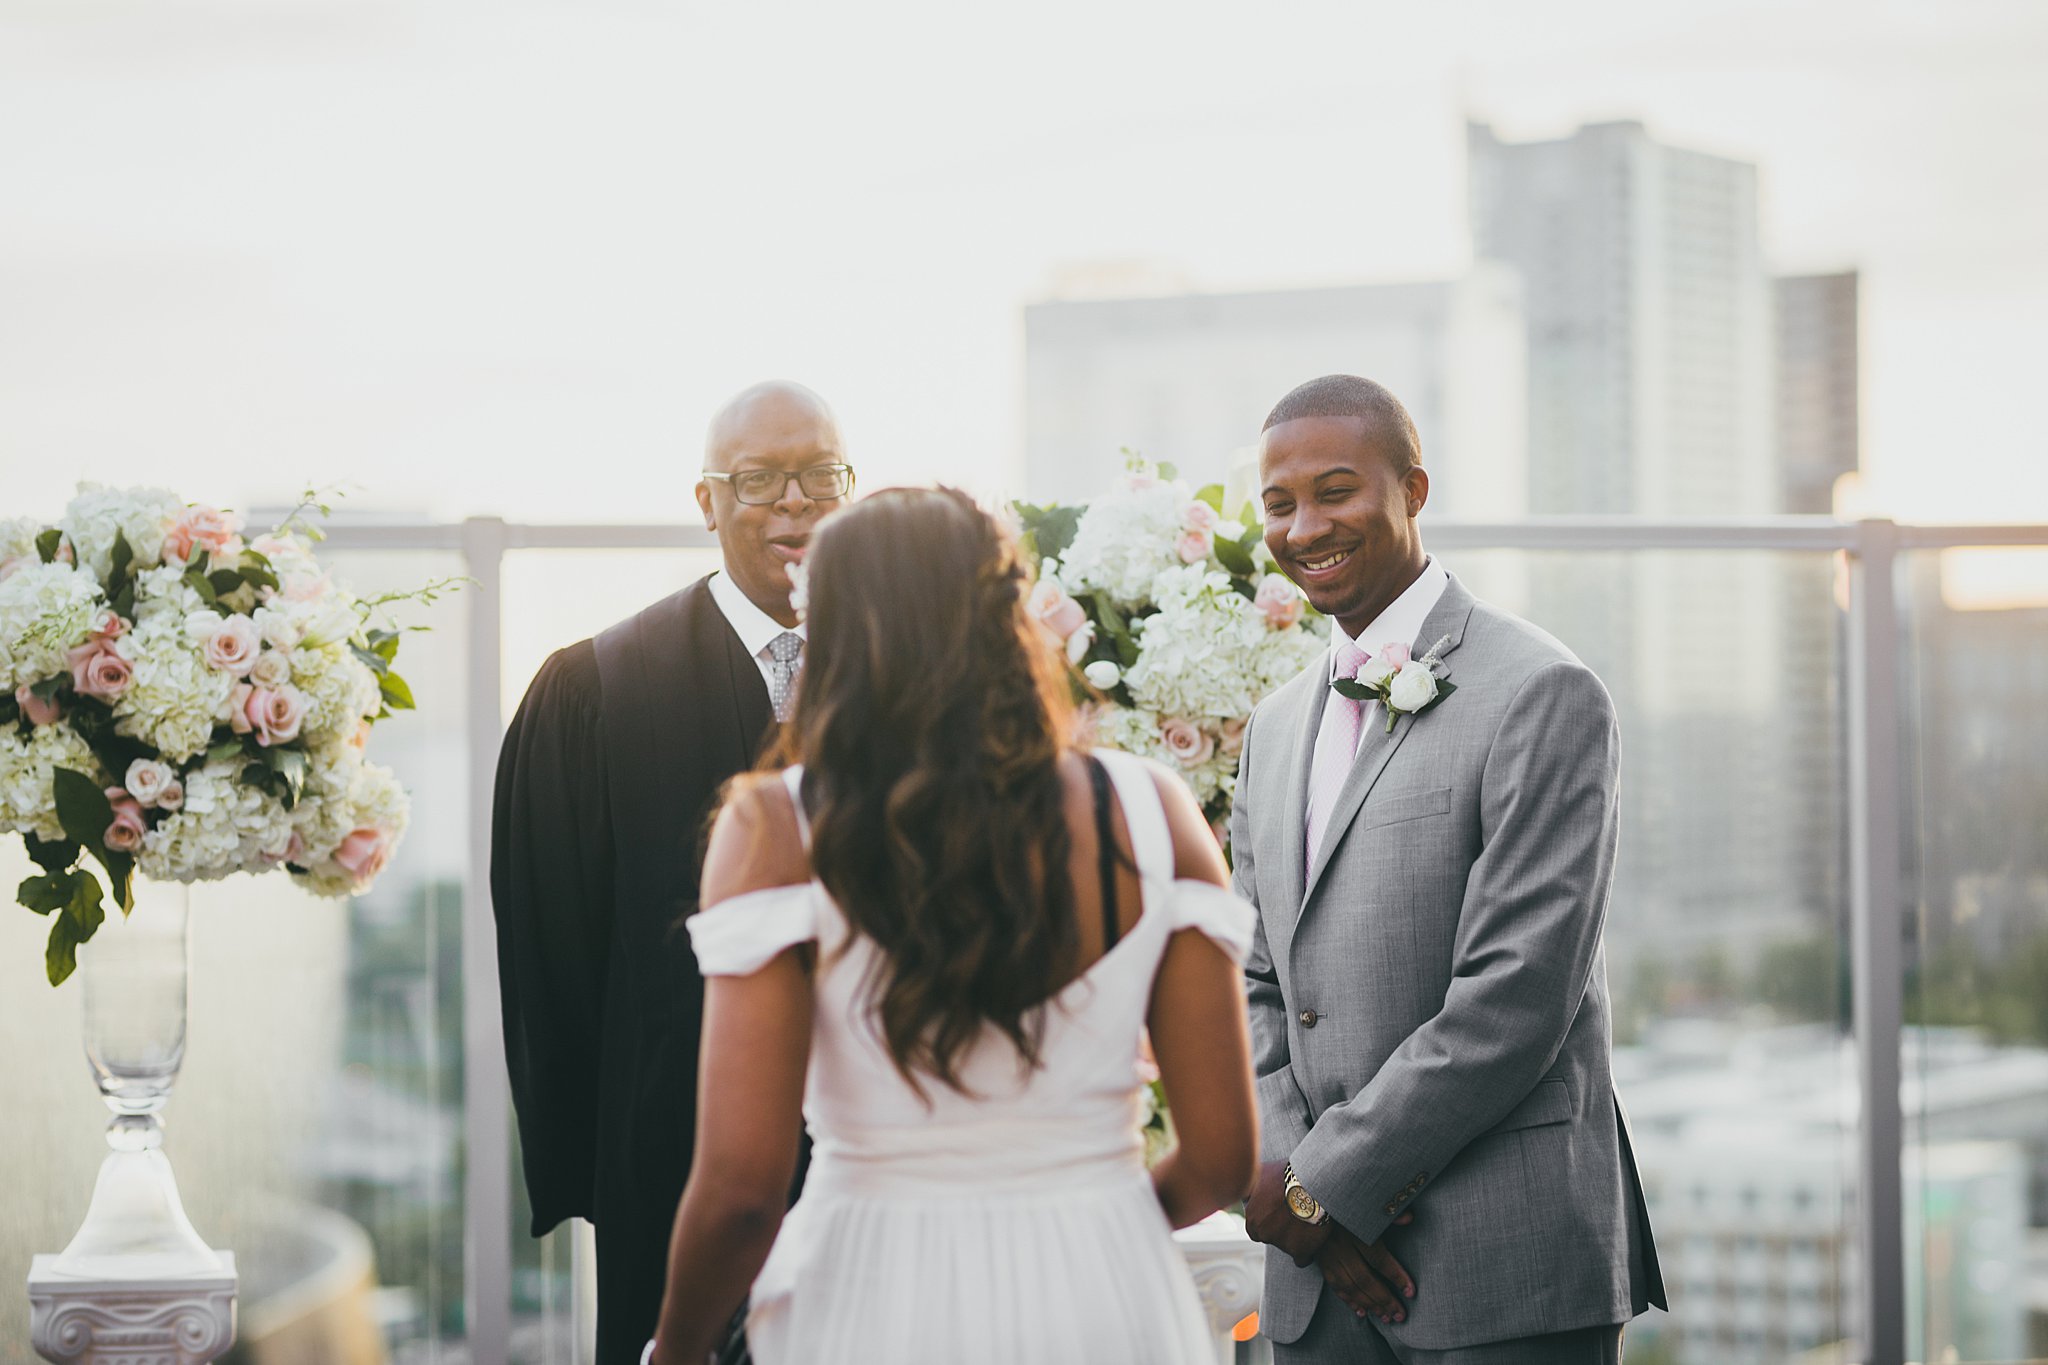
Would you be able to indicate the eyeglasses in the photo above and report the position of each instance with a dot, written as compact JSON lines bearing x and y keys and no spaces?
{"x":820,"y":483}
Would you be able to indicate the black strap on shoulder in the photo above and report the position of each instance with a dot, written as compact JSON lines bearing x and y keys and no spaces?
{"x":1105,"y":851}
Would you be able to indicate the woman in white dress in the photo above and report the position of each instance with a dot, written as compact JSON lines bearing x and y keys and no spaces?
{"x":937,"y":934}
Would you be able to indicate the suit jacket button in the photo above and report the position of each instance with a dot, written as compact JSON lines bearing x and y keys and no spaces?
{"x":1393,"y":1208}
{"x":1308,"y":1018}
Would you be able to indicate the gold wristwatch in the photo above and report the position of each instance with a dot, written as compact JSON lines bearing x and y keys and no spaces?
{"x":1300,"y":1202}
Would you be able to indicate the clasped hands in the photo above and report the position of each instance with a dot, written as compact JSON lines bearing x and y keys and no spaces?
{"x":1364,"y":1275}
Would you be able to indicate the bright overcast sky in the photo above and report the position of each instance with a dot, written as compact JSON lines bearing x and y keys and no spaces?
{"x":506,"y":256}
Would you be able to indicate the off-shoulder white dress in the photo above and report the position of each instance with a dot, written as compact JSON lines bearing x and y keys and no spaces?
{"x":1018,"y":1227}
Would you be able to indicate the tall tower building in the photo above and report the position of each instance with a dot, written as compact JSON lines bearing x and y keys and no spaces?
{"x":1650,"y":351}
{"x":1819,"y":390}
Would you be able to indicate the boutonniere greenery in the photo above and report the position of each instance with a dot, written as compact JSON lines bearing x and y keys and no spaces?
{"x":1401,"y":684}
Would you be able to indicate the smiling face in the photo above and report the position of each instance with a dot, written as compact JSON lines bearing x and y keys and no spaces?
{"x":776,"y":427}
{"x":1340,"y":515}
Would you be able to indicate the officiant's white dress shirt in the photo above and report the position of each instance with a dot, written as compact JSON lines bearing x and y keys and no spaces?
{"x":756,"y":628}
{"x":1400,"y":623}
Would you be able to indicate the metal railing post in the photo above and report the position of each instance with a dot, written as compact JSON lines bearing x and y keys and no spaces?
{"x":486,"y":1088}
{"x":1877,"y":922}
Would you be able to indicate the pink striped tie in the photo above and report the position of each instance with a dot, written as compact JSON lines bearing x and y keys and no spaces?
{"x":1336,"y":747}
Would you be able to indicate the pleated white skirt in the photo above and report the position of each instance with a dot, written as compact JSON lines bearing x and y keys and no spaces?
{"x":1078,"y":1276}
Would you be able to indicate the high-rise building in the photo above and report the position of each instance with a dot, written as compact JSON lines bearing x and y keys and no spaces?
{"x":1819,"y":390}
{"x":1189,"y":378}
{"x":1650,"y":349}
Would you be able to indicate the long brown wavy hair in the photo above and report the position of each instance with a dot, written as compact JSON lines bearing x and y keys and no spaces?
{"x":930,"y":722}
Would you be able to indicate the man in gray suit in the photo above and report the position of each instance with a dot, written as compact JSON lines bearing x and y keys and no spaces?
{"x":1446,"y":1177}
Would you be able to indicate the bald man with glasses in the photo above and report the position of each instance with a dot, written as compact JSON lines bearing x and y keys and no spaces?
{"x":607,"y":776}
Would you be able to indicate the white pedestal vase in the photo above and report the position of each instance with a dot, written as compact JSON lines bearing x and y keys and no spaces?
{"x":137,"y":1283}
{"x":1229,"y":1268}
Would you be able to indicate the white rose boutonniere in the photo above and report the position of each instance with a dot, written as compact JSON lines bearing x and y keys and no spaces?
{"x":1402,"y":684}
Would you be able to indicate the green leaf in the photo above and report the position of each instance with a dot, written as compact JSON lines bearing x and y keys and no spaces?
{"x":224,"y":750}
{"x":51,"y":855}
{"x":1250,"y":516}
{"x":374,"y":662}
{"x":1345,"y":687}
{"x":397,"y":695}
{"x":60,"y":958}
{"x":224,"y":581}
{"x":82,"y":808}
{"x":1167,"y":472}
{"x":123,"y":602}
{"x":85,"y":813}
{"x":200,"y":584}
{"x":51,"y":891}
{"x":1234,"y":557}
{"x":259,"y":577}
{"x":86,"y":909}
{"x":1213,"y":495}
{"x":257,"y":560}
{"x":47,"y":543}
{"x":123,"y":556}
{"x":47,"y":688}
{"x":1054,"y":530}
{"x":384,"y":644}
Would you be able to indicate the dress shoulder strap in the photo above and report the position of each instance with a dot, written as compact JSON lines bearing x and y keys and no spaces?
{"x":1144,"y":815}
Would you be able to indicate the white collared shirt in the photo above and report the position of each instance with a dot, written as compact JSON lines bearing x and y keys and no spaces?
{"x":1400,"y":623}
{"x":756,"y":628}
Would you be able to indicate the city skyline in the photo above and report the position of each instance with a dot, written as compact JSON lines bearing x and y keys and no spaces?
{"x":257,"y":245}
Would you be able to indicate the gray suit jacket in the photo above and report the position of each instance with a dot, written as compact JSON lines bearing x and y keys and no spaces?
{"x":1429,"y":1000}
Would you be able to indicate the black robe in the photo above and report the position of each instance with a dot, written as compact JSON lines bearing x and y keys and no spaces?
{"x":605,"y":785}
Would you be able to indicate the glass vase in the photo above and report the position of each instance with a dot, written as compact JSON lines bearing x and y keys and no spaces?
{"x":133,"y":974}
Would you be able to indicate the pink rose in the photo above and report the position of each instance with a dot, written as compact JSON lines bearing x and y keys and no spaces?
{"x":305,"y":587}
{"x":201,"y":528}
{"x":1060,"y":614}
{"x":1233,"y":733}
{"x":35,"y":709}
{"x":172,"y":797}
{"x":108,"y":624}
{"x":125,"y":834}
{"x":1199,"y":516}
{"x":1395,"y":656}
{"x":274,"y":714}
{"x":97,"y":671}
{"x":1194,"y":545}
{"x":363,"y":854}
{"x":295,"y":850}
{"x":232,"y":648}
{"x":1280,"y":600}
{"x":1187,"y":742}
{"x":238,"y":709}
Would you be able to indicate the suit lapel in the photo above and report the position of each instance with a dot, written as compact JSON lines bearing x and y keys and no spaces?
{"x":1377,"y":748}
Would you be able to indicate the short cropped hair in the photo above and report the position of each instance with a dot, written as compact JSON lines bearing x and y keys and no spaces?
{"x":1346,"y":395}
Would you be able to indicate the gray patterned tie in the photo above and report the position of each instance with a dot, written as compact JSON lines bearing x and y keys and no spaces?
{"x":783,"y":655}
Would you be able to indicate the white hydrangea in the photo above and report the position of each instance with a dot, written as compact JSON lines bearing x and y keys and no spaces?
{"x":164,"y":593}
{"x":1125,"y":540}
{"x":1208,"y":651}
{"x":18,"y":541}
{"x":324,"y":816}
{"x":175,"y":700}
{"x":225,"y":827}
{"x":99,"y":513}
{"x":341,"y":692}
{"x":1141,"y":732}
{"x":374,"y":801}
{"x":27,"y":776}
{"x":45,"y":610}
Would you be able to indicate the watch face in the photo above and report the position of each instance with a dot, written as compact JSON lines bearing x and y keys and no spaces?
{"x":1303,"y":1203}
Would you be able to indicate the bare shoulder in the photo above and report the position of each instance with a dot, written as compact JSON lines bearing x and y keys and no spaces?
{"x":756,"y":842}
{"x":1196,"y":854}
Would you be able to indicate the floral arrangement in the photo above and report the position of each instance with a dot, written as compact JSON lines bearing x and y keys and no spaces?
{"x":1173,"y":614}
{"x":183,"y":703}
